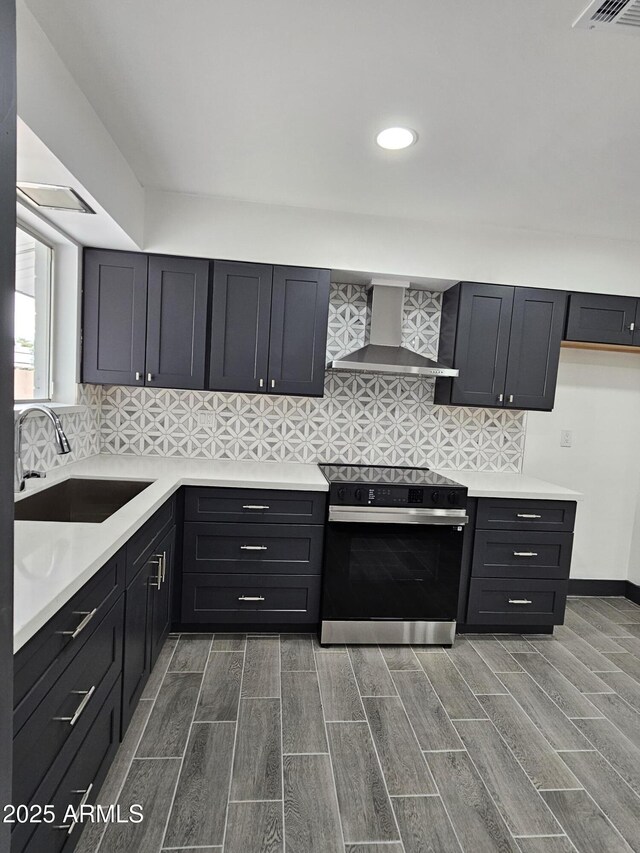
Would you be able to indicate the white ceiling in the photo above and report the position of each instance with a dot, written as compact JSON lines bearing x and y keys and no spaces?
{"x":523,"y":121}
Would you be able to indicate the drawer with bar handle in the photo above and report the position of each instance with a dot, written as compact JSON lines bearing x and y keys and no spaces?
{"x":73,"y":784}
{"x":247,"y":548}
{"x":250,"y":598}
{"x":504,"y":601}
{"x":521,"y":554}
{"x":40,"y":662}
{"x":519,"y":514}
{"x":264,"y":505}
{"x":59,"y":721}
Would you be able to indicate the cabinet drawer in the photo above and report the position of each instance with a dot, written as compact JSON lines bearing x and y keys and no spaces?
{"x":40,"y":662}
{"x":504,"y":514}
{"x":503,"y":601}
{"x":248,"y":548}
{"x":250,"y":598}
{"x":142,"y":543}
{"x":61,"y":718}
{"x":86,"y":772}
{"x":521,"y":554}
{"x":269,"y":507}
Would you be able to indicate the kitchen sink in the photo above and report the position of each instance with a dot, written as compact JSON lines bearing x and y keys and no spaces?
{"x":77,"y":499}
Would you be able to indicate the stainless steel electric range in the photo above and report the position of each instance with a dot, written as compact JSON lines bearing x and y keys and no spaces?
{"x":393,"y":553}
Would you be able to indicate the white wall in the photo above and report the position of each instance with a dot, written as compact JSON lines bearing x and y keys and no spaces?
{"x":598,"y":399}
{"x":54,"y":107}
{"x":219,"y":228}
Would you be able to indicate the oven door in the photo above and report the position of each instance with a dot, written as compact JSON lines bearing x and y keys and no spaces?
{"x":392,"y":564}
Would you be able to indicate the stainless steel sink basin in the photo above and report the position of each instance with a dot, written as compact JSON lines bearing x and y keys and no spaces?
{"x":75,"y":499}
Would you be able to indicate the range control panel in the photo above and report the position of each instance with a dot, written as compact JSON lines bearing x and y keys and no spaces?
{"x":350,"y":494}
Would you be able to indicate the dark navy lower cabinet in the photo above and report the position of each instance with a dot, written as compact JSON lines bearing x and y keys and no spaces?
{"x":252,"y":557}
{"x":516,"y":564}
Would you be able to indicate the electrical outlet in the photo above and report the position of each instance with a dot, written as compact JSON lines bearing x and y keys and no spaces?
{"x":566,"y":438}
{"x":205,"y":419}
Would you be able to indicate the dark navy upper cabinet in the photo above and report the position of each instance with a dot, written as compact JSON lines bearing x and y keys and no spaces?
{"x":298,"y":340}
{"x":115,"y":317}
{"x":268,"y":329}
{"x":537,"y":323}
{"x":505,"y":341}
{"x":240,"y":321}
{"x":144,"y":319}
{"x":177,"y":296}
{"x":604,"y":319}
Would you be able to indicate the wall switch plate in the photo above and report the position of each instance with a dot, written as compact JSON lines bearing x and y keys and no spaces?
{"x":205,"y":419}
{"x":566,"y":438}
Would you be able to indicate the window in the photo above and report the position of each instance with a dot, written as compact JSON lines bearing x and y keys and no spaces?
{"x":32,"y":350}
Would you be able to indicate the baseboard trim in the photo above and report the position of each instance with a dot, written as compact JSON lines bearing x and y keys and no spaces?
{"x":593,"y":586}
{"x":633,"y":592}
{"x":589,"y":586}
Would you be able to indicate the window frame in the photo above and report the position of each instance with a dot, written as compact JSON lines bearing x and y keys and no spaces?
{"x":50,"y":302}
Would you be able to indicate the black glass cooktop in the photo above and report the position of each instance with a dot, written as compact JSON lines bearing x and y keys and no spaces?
{"x":368,"y":474}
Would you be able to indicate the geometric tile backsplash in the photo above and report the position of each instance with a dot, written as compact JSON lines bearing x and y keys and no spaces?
{"x":371,"y":419}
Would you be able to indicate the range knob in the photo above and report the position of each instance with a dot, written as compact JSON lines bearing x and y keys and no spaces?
{"x":342,"y":493}
{"x":453,"y":498}
{"x":435,"y":497}
{"x":358,"y":494}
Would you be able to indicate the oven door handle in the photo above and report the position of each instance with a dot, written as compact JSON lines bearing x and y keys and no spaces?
{"x":397,"y":515}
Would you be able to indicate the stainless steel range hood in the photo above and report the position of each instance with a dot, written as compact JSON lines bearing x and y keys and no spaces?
{"x":384,"y":352}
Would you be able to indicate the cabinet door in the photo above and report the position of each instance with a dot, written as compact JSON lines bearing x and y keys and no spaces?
{"x":298,"y":344}
{"x":114,"y":317}
{"x":137,"y":640}
{"x":241,"y":315}
{"x":636,"y":326}
{"x":601,"y":318}
{"x":482,"y":344}
{"x":162,"y":597}
{"x":177,"y":298}
{"x":534,"y":348}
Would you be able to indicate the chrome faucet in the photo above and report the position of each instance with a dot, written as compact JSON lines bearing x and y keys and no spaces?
{"x":61,"y":440}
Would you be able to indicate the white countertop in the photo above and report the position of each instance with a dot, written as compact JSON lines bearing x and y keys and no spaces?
{"x":53,"y":560}
{"x":489,"y":484}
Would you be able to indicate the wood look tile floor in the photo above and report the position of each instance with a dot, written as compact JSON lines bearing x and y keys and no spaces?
{"x":266,"y":744}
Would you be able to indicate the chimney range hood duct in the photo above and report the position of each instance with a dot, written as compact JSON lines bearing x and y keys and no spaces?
{"x":384,"y":352}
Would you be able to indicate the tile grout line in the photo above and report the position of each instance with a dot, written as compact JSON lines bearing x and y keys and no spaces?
{"x":186,"y":743}
{"x":284,"y":828}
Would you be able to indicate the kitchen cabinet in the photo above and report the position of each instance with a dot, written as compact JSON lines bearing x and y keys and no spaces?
{"x":604,"y":319}
{"x":505,"y":341}
{"x":252,"y":557}
{"x":517,"y":563}
{"x":144,"y":319}
{"x":268,"y":329}
{"x":147,"y":621}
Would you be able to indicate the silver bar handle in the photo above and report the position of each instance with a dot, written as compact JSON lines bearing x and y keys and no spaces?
{"x":527,"y":515}
{"x":632,"y":327}
{"x":273,"y":383}
{"x":255,"y":506}
{"x":251,"y":598}
{"x":88,"y":616}
{"x":501,"y":398}
{"x":86,"y":694}
{"x":157,"y":581}
{"x":520,"y":601}
{"x":164,"y":566}
{"x":510,"y":398}
{"x":253,"y":547}
{"x":138,"y":375}
{"x":261,"y":383}
{"x":86,"y":793}
{"x":525,"y":553}
{"x":149,"y":377}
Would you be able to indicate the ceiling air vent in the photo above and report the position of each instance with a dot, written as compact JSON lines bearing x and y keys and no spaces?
{"x":624,"y":15}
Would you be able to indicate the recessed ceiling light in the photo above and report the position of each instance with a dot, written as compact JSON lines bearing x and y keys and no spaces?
{"x":53,"y":197}
{"x":395,"y":138}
